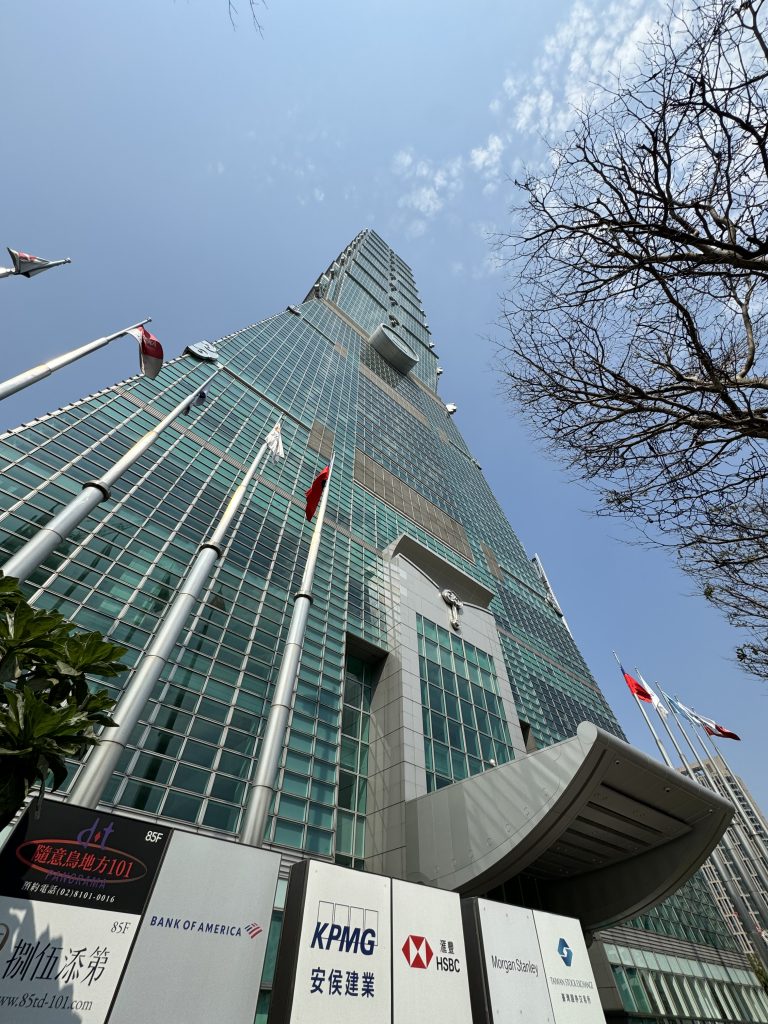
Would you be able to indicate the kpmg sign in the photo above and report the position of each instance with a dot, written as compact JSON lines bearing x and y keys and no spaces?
{"x":81,"y":939}
{"x":334,"y":963}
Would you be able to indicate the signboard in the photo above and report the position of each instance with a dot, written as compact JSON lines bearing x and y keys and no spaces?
{"x":572,"y":986}
{"x":511,"y":964}
{"x":73,"y":884}
{"x":335,"y":959}
{"x":200,"y":950}
{"x":429,"y":966}
{"x":528,"y":965}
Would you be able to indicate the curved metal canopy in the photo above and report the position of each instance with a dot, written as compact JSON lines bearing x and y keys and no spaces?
{"x":606,"y":831}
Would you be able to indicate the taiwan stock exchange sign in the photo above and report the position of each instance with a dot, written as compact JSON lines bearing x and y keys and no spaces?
{"x":73,"y":886}
{"x":334,"y":964}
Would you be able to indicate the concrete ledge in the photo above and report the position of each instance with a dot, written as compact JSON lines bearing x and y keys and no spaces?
{"x":605,"y":831}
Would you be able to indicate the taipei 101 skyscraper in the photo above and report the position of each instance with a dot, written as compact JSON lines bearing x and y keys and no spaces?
{"x":441,"y":702}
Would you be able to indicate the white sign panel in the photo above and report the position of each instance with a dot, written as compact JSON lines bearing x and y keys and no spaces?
{"x":343,"y":966}
{"x":517,"y":984}
{"x":572,"y":987}
{"x":200,"y":951}
{"x":429,"y":972}
{"x":60,"y":963}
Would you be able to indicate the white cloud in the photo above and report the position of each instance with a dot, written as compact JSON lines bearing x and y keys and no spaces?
{"x":425,"y":200}
{"x":416,"y":228}
{"x":595,"y":42}
{"x":401,"y":161}
{"x":319,"y":195}
{"x":488,"y":158}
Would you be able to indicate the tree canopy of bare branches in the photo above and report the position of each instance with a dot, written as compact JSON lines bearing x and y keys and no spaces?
{"x":637,"y":306}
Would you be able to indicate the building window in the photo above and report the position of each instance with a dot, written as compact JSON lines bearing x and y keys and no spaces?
{"x":465,"y":728}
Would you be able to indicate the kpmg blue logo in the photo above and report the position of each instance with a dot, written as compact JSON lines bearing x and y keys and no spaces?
{"x":565,"y":952}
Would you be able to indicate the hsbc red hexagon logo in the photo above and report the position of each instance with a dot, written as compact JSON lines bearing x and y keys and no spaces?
{"x":417,"y":951}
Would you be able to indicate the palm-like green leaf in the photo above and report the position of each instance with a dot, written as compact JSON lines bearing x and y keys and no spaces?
{"x":48,"y":710}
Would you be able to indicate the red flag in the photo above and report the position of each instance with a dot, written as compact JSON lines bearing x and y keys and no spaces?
{"x":637,"y":688}
{"x":150,"y":351}
{"x":315,"y":492}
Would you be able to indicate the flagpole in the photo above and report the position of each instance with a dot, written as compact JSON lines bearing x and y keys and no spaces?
{"x":733,"y":835}
{"x":262,"y":786}
{"x":98,"y":769}
{"x":29,"y":377}
{"x":676,"y":745}
{"x":756,"y":838}
{"x":24,"y":562}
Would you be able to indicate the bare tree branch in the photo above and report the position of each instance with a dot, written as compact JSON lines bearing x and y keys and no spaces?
{"x":637,"y":307}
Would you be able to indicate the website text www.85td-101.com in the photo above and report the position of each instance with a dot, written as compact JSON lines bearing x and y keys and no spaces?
{"x":50,"y":1001}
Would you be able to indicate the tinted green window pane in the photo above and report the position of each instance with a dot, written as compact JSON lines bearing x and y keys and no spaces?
{"x":321,"y":816}
{"x":142,"y":797}
{"x":301,"y":744}
{"x":234,"y":765}
{"x":442,"y":759}
{"x":177,"y":805}
{"x":198,"y":753}
{"x":190,"y":778}
{"x":297,"y":763}
{"x":227,"y":789}
{"x":156,"y":769}
{"x":221,"y":816}
{"x":319,"y":842}
{"x":270,"y":959}
{"x":291,"y":807}
{"x":289,"y":833}
{"x":295,"y":784}
{"x":345,"y":828}
{"x":346,"y":790}
{"x":322,"y":793}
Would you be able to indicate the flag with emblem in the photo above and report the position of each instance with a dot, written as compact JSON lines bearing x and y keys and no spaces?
{"x":27,"y":266}
{"x":150,"y":351}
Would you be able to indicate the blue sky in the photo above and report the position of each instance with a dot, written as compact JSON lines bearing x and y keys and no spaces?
{"x":205,"y":176}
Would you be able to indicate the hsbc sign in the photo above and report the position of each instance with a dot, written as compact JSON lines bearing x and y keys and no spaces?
{"x":429,"y":979}
{"x":418,"y":952}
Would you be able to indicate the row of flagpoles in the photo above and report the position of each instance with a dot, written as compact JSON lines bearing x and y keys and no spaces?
{"x":742,"y":846}
{"x":98,"y":768}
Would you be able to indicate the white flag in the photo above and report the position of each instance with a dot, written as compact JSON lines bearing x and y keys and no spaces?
{"x":655,"y":699}
{"x":274,"y":441}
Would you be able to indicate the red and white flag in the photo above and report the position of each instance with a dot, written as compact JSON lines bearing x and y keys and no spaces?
{"x":315,"y":492}
{"x":711,"y":728}
{"x":28,"y":266}
{"x":150,"y":351}
{"x":655,"y":699}
{"x":637,"y":688}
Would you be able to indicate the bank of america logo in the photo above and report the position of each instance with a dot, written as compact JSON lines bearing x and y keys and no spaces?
{"x":253,"y":930}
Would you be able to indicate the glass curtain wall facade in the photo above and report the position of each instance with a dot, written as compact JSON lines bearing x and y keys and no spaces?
{"x":402,"y":467}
